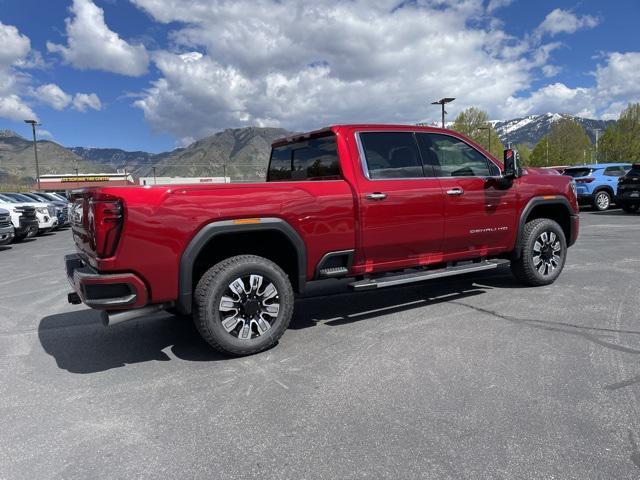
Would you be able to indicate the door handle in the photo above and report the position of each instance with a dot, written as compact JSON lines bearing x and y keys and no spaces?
{"x":455,"y":191}
{"x":376,"y":196}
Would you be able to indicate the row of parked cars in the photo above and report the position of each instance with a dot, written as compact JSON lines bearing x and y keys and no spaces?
{"x":600,"y":185}
{"x":24,"y":215}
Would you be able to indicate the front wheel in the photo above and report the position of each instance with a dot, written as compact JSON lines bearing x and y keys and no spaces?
{"x":602,"y":200}
{"x":542,"y":253}
{"x":243,"y":304}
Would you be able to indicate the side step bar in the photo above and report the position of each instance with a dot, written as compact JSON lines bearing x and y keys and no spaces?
{"x":421,"y":276}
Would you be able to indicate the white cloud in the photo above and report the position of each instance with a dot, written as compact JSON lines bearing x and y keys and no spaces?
{"x":279,"y":63}
{"x":52,"y":95}
{"x":15,"y":46}
{"x":15,"y":49}
{"x":92,"y":45}
{"x":82,"y":101}
{"x":617,"y":84}
{"x":13,"y":108}
{"x":496,"y":4}
{"x":564,"y":21}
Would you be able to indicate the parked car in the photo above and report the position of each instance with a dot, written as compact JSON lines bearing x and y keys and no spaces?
{"x":6,"y":227}
{"x":61,"y":206}
{"x":597,"y":184}
{"x":45,"y":213}
{"x":23,"y":217}
{"x":628,"y":197}
{"x":382,"y":204}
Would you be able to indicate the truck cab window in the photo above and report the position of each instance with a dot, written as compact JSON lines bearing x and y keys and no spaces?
{"x":313,"y":159}
{"x":451,"y":157}
{"x":391,"y":155}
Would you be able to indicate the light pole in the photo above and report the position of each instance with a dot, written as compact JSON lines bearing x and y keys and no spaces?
{"x":442,"y":102}
{"x":597,"y":130}
{"x":34,"y":123}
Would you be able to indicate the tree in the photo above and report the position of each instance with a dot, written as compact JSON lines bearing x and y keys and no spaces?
{"x":474,"y":123}
{"x":566,"y":144}
{"x":525,"y":153}
{"x":621,"y":141}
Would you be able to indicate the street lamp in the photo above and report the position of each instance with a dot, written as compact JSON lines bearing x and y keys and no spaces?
{"x":34,"y":123}
{"x":442,"y":102}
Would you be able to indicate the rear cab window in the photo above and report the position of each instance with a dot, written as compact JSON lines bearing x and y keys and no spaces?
{"x":310,"y":159}
{"x":578,"y":172}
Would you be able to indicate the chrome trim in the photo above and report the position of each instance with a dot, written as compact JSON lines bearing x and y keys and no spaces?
{"x":365,"y":169}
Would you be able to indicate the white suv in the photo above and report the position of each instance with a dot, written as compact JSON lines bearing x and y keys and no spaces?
{"x":46,"y":214}
{"x":23,"y":218}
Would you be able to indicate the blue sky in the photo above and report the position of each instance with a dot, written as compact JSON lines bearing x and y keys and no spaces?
{"x":156,"y":74}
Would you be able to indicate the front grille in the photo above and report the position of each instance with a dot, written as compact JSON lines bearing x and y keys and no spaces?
{"x":27,"y":212}
{"x":51,"y":210}
{"x":5,"y":221}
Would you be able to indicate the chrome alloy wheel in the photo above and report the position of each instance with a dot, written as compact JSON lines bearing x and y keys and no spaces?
{"x":547,"y":253}
{"x":603,"y":201}
{"x":249,"y":306}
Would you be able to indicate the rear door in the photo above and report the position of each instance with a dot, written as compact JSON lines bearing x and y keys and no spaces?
{"x":480,"y":213}
{"x":400,"y":202}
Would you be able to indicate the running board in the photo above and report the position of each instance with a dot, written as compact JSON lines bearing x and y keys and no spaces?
{"x":401,"y":279}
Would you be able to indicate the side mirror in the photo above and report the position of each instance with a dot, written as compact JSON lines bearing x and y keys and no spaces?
{"x":511,"y":163}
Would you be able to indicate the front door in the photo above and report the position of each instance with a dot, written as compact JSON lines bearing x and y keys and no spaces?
{"x":480,"y":209}
{"x":401,"y":203}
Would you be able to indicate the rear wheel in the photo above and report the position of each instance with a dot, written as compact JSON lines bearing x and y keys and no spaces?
{"x":543,"y":253}
{"x":601,"y":200}
{"x":243,"y":304}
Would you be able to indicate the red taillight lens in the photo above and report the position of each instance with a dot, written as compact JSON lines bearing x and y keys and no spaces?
{"x":105,"y":223}
{"x":585,"y":180}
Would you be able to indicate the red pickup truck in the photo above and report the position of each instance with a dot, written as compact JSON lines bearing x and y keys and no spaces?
{"x":382,"y":205}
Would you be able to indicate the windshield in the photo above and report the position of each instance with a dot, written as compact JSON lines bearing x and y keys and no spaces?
{"x":22,"y":198}
{"x":47,"y":196}
{"x":578,"y":172}
{"x":7,"y":199}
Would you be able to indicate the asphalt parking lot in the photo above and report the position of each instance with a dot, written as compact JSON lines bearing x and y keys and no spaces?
{"x":474,"y":377}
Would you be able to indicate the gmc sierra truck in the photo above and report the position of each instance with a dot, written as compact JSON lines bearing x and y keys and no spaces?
{"x":381,"y":205}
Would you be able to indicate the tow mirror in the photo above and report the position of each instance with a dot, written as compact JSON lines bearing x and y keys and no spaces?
{"x":511,"y":163}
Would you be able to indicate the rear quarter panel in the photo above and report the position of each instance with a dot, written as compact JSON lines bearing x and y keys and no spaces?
{"x":160,"y":222}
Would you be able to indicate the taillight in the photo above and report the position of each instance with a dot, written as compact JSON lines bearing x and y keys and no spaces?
{"x":585,"y":180}
{"x":105,"y":223}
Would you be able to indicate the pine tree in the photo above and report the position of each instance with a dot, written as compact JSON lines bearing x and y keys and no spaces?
{"x":474,"y":123}
{"x":621,"y":141}
{"x":566,"y":144}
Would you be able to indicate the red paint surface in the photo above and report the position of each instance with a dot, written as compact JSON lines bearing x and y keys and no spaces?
{"x":417,"y":224}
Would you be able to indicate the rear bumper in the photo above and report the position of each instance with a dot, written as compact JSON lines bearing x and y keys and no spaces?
{"x":105,"y":291}
{"x":585,"y":198}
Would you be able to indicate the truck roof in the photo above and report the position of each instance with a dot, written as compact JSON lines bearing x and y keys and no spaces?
{"x":297,"y":137}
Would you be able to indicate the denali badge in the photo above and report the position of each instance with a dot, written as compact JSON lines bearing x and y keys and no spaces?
{"x":488,"y":229}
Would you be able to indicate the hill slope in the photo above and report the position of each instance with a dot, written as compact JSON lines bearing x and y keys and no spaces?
{"x":17,"y":159}
{"x":529,"y":130}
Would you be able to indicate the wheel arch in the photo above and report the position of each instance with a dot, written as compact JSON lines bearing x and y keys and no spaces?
{"x":231,"y":237}
{"x":557,"y":209}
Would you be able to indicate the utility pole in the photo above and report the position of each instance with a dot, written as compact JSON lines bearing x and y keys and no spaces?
{"x":442,"y":102}
{"x":547,"y":151}
{"x":154,"y":175}
{"x":34,"y":123}
{"x":597,"y":130}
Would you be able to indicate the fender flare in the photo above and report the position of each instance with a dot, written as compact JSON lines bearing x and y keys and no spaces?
{"x":223,"y":227}
{"x":535,"y":202}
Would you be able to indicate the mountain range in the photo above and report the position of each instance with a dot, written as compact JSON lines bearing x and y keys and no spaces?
{"x":241,"y":153}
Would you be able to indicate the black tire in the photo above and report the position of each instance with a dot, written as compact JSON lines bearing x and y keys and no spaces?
{"x":532,"y":269}
{"x":220,"y":281}
{"x":629,"y":207}
{"x":601,"y":200}
{"x":19,"y":238}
